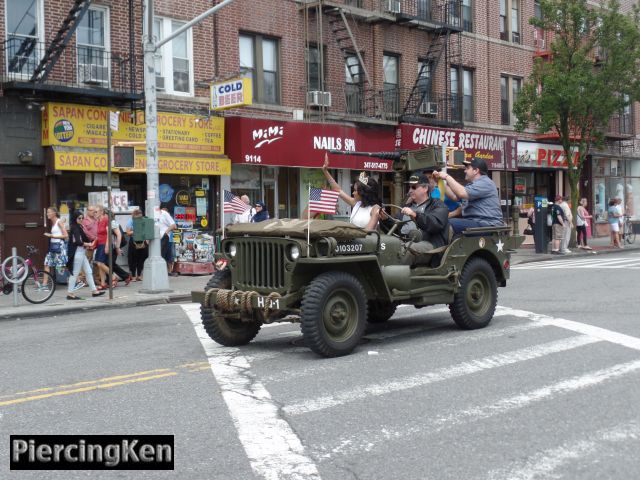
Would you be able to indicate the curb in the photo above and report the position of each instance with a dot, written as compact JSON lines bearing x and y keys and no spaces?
{"x":39,"y":312}
{"x":543,"y":257}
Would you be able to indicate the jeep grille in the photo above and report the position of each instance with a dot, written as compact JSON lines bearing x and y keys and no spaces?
{"x":260,"y":264}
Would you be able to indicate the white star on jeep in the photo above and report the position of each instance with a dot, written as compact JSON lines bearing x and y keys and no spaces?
{"x":500,"y":245}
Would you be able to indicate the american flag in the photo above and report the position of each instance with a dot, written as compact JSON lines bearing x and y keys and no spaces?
{"x":233,"y":204}
{"x":323,"y":201}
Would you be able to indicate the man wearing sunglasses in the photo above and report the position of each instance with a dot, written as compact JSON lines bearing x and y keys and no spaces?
{"x":479,"y":198}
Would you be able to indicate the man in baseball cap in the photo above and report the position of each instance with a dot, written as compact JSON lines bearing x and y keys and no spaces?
{"x":479,"y":197}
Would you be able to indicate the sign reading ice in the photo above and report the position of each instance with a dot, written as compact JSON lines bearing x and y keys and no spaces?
{"x":231,"y":94}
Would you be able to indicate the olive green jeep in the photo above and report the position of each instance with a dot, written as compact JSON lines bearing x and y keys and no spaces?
{"x":333,"y":278}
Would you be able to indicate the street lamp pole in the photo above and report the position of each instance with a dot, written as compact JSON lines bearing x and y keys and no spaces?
{"x":155,"y":278}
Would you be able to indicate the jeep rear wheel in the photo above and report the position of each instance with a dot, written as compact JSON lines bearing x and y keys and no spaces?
{"x":230,"y":332}
{"x":380,"y":312}
{"x":475,"y":302}
{"x":333,"y":314}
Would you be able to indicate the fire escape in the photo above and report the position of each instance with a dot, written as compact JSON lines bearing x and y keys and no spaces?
{"x":60,"y":70}
{"x":359,"y":98}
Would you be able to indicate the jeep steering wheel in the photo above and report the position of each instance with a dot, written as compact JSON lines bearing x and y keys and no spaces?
{"x":397,"y":224}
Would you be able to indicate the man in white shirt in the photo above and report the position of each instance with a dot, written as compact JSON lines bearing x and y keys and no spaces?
{"x":248,"y":214}
{"x":166,"y":226}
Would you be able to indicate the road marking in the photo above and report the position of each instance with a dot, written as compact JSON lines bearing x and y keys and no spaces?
{"x":545,"y":463}
{"x":466,"y":368}
{"x":85,"y":389}
{"x":271,"y":445}
{"x":583,"y":328}
{"x":590,"y":262}
{"x":366,"y":441}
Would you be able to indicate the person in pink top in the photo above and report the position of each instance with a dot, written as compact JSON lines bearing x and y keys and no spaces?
{"x":582,"y":222}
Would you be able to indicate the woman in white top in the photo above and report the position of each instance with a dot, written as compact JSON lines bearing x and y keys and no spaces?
{"x":57,"y":254}
{"x":365,"y":203}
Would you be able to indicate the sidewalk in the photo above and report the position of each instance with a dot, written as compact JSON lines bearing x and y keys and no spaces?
{"x":130,"y":296}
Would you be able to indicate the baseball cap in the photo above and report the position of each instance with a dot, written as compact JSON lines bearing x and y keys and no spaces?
{"x":478,"y":163}
{"x":420,"y":179}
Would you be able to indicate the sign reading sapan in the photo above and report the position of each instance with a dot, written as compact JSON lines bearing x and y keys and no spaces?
{"x":231,"y":94}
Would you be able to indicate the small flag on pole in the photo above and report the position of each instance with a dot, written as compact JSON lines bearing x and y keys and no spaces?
{"x":233,"y":204}
{"x":323,"y":201}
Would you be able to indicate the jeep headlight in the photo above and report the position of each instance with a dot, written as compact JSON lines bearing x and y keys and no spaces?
{"x":294,"y":252}
{"x":232,"y":249}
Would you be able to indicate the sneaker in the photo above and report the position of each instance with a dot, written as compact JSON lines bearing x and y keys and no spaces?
{"x":78,"y":286}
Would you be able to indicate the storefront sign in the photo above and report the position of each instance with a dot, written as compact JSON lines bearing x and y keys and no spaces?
{"x":499,"y":151}
{"x":298,"y":144}
{"x":96,"y":161}
{"x":231,"y":94}
{"x":70,"y":125}
{"x":542,"y":155}
{"x":183,"y":198}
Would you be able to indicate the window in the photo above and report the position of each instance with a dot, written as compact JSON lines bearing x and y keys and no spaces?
{"x":354,"y":91}
{"x":509,"y":90}
{"x":424,"y":9}
{"x":390,"y":84}
{"x":425,"y":84}
{"x":510,"y":20}
{"x":173,"y":61}
{"x":92,"y":40}
{"x":259,"y":61}
{"x":24,"y":31}
{"x":537,"y":10}
{"x":316,"y":74}
{"x":467,"y":16}
{"x":462,"y":94}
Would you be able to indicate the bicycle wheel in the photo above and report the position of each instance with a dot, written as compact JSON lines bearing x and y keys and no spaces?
{"x":38,"y":287}
{"x":630,"y":234}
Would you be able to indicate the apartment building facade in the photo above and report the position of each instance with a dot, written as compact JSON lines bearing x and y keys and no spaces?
{"x":365,"y":75}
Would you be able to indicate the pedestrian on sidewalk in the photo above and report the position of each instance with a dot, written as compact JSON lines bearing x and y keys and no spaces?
{"x":557,"y":226}
{"x":167,"y":225}
{"x":57,"y":253}
{"x":116,"y":250}
{"x":138,"y":251}
{"x":568,"y":225}
{"x":78,"y":242}
{"x":90,"y":227}
{"x":582,"y":222}
{"x":614,"y":223}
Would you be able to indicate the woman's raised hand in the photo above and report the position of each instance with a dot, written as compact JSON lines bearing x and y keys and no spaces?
{"x":325,"y":165}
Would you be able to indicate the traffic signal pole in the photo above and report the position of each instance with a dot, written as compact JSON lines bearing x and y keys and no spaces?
{"x":155,"y":278}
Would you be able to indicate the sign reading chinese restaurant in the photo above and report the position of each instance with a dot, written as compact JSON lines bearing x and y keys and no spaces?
{"x":542,"y":155}
{"x":187,"y":144}
{"x":231,"y":94}
{"x":499,"y":151}
{"x":301,"y":144}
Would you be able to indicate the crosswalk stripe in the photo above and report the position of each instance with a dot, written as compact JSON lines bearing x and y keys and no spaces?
{"x":545,"y":463}
{"x":368,"y":440}
{"x":273,"y":448}
{"x":591,"y":262}
{"x":466,"y":368}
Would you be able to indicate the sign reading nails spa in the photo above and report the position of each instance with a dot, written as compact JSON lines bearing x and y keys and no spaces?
{"x":301,"y":144}
{"x":499,"y":151}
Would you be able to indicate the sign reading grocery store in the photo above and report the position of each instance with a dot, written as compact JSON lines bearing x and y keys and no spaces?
{"x":499,"y":151}
{"x":85,"y":126}
{"x":231,"y":94}
{"x":303,"y":144}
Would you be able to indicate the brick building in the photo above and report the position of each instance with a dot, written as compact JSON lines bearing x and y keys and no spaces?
{"x":347,"y":74}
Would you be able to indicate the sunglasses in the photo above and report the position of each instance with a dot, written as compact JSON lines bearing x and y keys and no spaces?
{"x":413,"y":187}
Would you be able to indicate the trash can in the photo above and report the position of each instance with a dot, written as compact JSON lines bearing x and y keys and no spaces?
{"x":540,"y":226}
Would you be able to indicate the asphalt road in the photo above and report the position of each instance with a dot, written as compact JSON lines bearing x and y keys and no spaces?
{"x":551,"y":389}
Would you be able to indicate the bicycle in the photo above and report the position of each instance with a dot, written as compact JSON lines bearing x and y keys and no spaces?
{"x":38,"y":286}
{"x":628,"y":234}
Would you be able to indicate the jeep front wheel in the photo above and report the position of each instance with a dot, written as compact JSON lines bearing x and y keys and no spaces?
{"x":333,"y":314}
{"x":230,"y":332}
{"x":475,"y":302}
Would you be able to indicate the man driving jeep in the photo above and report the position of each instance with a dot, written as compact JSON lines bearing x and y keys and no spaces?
{"x":429,"y":220}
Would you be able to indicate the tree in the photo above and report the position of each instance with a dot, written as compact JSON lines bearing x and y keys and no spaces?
{"x":592,"y":72}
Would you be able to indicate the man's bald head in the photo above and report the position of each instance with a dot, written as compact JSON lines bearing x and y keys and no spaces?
{"x":245,"y":199}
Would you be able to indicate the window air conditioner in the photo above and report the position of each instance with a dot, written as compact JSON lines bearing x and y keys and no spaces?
{"x":93,"y":74}
{"x":316,"y":98}
{"x":429,"y":108}
{"x":393,"y":6}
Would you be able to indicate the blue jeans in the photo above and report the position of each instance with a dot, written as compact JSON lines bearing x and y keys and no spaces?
{"x":460,"y":224}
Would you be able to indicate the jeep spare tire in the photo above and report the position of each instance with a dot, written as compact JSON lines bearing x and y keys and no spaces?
{"x":475,"y":302}
{"x":333,"y":314}
{"x":230,"y":332}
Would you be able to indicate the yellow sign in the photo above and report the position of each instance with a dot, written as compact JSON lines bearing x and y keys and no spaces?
{"x":97,"y":162}
{"x":69,"y":125}
{"x":231,"y":94}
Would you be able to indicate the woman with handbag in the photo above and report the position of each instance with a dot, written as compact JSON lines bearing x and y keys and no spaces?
{"x":78,"y":242}
{"x":57,"y":254}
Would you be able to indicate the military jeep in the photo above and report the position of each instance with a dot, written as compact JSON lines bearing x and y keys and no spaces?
{"x":333,"y":277}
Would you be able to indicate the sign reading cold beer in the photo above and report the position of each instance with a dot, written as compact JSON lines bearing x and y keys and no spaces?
{"x":298,"y":144}
{"x":499,"y":151}
{"x":231,"y":94}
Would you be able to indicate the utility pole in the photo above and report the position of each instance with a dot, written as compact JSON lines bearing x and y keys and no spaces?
{"x":156,"y":279}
